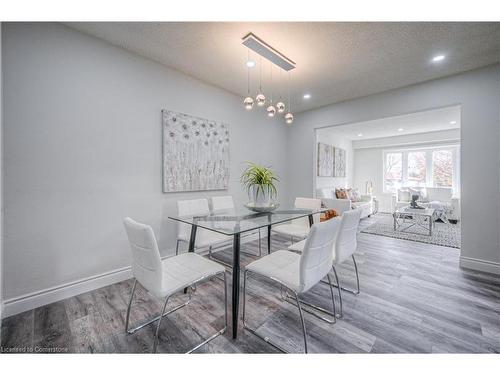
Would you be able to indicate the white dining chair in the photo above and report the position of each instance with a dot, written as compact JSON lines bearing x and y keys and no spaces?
{"x":164,"y":278}
{"x":204,"y":238}
{"x":299,"y":228}
{"x":225,"y":203}
{"x":296,"y":273}
{"x":345,"y":246}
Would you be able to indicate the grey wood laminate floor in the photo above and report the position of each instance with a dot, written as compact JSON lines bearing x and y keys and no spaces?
{"x":414,"y":299}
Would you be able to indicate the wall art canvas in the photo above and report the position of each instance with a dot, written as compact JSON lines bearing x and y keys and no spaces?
{"x":325,"y":160}
{"x":195,"y":153}
{"x":339,"y":162}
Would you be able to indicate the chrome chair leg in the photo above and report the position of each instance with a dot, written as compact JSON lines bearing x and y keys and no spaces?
{"x":357,"y":275}
{"x":218,"y":333}
{"x":302,"y":321}
{"x":135,"y":329}
{"x":352,"y":291}
{"x":246,"y":326}
{"x":223,"y":330}
{"x":314,"y":309}
{"x":339,"y":288}
{"x":155,"y":342}
{"x":130,"y":305}
{"x":333,"y":299}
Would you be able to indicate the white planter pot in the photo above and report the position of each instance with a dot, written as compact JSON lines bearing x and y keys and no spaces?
{"x":262,"y":199}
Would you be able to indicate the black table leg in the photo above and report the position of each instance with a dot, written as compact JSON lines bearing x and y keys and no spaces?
{"x":192,"y":240}
{"x":311,"y":220}
{"x":269,"y":239}
{"x":236,"y":284}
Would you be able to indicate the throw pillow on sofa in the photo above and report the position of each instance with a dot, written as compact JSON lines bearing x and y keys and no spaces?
{"x":341,"y":194}
{"x":356,"y":196}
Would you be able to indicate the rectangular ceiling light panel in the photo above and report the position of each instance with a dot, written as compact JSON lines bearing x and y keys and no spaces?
{"x":265,"y":50}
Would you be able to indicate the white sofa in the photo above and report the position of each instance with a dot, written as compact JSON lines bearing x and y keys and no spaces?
{"x":328,"y":198}
{"x":430,"y":196}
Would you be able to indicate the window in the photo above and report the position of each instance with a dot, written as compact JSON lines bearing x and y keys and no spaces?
{"x":442,"y":168}
{"x":423,"y":167}
{"x":416,"y":168}
{"x":393,"y":170}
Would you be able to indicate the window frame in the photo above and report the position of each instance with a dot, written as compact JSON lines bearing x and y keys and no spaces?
{"x":429,"y":173}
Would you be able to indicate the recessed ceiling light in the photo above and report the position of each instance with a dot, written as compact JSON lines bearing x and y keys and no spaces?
{"x":250,"y":64}
{"x":400,"y":129}
{"x":307,"y":96}
{"x":360,"y":134}
{"x":438,"y":58}
{"x":453,"y":122}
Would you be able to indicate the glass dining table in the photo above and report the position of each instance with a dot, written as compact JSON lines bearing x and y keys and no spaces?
{"x":235,"y":223}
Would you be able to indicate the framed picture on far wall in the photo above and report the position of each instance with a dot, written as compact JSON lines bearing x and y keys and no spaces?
{"x":339,"y":162}
{"x":325,"y":160}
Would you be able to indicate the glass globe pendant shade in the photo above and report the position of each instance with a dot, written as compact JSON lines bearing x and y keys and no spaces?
{"x":271,"y":111}
{"x":288,"y":118}
{"x":248,"y":103}
{"x":260,"y":99}
{"x":280,"y":107}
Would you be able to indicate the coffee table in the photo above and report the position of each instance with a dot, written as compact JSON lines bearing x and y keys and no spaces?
{"x":406,"y":218}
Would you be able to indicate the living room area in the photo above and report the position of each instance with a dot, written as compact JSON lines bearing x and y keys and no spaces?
{"x":387,"y":167}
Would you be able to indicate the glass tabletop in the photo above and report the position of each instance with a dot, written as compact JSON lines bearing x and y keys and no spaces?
{"x":239,"y":220}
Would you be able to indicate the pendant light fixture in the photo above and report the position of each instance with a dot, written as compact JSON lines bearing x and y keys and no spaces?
{"x":271,"y":111}
{"x":248,"y":102}
{"x":289,"y":116}
{"x":266,"y":51}
{"x":280,"y":106}
{"x":260,"y":99}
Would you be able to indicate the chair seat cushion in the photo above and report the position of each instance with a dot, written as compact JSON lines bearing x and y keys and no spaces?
{"x":185,"y":269}
{"x":291,"y":230}
{"x":205,"y":238}
{"x":281,"y":265}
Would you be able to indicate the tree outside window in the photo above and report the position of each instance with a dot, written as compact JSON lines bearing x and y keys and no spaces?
{"x":393,"y":175}
{"x":442,"y":168}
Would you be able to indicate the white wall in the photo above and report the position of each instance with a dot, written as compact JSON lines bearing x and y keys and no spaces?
{"x":478,"y":93}
{"x":369,"y":163}
{"x":329,"y":136}
{"x":83,"y":150}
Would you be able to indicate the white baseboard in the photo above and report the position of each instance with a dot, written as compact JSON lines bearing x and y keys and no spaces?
{"x":480,"y":265}
{"x":16,"y":305}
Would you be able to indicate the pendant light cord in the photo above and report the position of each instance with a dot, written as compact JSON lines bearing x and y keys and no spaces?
{"x":260,"y":72}
{"x":271,"y":84}
{"x":289,"y":101}
{"x":248,"y":73}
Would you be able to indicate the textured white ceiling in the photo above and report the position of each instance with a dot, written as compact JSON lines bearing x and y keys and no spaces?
{"x":413,"y":123}
{"x":335,"y":61}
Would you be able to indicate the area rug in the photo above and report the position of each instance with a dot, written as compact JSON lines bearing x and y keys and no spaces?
{"x":443,"y":234}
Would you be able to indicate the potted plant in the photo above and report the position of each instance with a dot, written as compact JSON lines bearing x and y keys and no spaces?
{"x":259,"y":182}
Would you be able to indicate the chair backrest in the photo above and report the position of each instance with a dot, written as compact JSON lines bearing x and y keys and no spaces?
{"x":189,"y":208}
{"x":346,"y":241}
{"x":309,"y":204}
{"x":222,"y":203}
{"x":317,"y":256}
{"x":146,"y":260}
